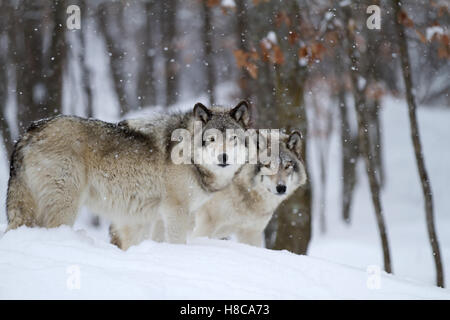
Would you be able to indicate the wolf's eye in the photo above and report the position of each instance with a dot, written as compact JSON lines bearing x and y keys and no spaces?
{"x":288,"y":165}
{"x":211,"y":139}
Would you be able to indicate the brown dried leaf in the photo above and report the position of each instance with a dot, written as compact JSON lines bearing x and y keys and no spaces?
{"x":421,"y":36}
{"x":243,"y":61}
{"x":278,"y":57}
{"x":252,"y":70}
{"x":303,"y":52}
{"x":282,"y":17}
{"x":212,"y":3}
{"x":293,"y":37}
{"x":256,"y":2}
{"x":317,"y":51}
{"x":403,"y":19}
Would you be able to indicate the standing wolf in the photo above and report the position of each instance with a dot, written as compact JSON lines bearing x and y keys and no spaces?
{"x":245,"y":207}
{"x":125,"y":175}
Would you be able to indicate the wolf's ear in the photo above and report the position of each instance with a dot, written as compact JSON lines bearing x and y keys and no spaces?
{"x":294,"y":143}
{"x":241,"y":113}
{"x":201,"y":112}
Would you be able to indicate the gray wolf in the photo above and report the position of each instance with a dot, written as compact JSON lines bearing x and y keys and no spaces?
{"x":245,"y":207}
{"x":122,"y":174}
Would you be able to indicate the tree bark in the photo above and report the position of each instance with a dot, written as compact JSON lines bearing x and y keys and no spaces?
{"x":207,"y":38}
{"x":294,"y":214}
{"x":364,"y":143}
{"x":168,"y":21}
{"x":242,"y":44}
{"x":5,"y":20}
{"x":146,"y":83}
{"x":415,"y":137}
{"x":115,"y":50}
{"x":349,"y":149}
{"x":38,"y":69}
{"x":85,"y":70}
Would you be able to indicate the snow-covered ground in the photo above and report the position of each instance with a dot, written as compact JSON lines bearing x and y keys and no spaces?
{"x":69,"y":263}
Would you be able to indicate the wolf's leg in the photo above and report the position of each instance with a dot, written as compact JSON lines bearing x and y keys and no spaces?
{"x":129,"y":235}
{"x":177,"y":223}
{"x":57,"y":183}
{"x":251,"y":237}
{"x":204,"y":225}
{"x":20,"y":204}
{"x":58,"y":206}
{"x":158,"y":231}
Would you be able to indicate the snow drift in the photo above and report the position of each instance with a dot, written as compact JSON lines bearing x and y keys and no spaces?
{"x":66,"y":264}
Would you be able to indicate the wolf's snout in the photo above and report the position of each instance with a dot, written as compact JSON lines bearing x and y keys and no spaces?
{"x":223,"y":158}
{"x":281,"y":189}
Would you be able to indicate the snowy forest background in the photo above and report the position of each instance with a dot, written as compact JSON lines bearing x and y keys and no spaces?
{"x":354,"y":92}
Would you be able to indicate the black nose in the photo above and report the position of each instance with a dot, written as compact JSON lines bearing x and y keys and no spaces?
{"x":281,"y":189}
{"x":223,"y":158}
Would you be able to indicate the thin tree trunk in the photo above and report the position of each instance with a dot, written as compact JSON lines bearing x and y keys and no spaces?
{"x":38,"y":71}
{"x":364,"y":143}
{"x":373,"y":119}
{"x":56,"y":59}
{"x":114,"y":48}
{"x":349,"y":149}
{"x":208,"y":51}
{"x":27,"y":52}
{"x":169,"y":51}
{"x":146,"y":85}
{"x":294,"y":214}
{"x":242,"y":39}
{"x":4,"y":65}
{"x":415,"y":136}
{"x":85,"y":70}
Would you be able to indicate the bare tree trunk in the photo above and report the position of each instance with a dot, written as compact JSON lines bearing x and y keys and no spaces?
{"x":292,"y":218}
{"x":349,"y":149}
{"x":372,"y":77}
{"x":322,"y":125}
{"x":38,"y":69}
{"x":243,"y":40}
{"x":168,"y":20}
{"x":57,"y":58}
{"x":415,"y":136}
{"x":27,"y":52}
{"x":146,"y":85}
{"x":373,"y":119}
{"x":5,"y":18}
{"x":85,"y":70}
{"x":107,"y":11}
{"x":207,"y":38}
{"x":294,"y":214}
{"x":364,"y":143}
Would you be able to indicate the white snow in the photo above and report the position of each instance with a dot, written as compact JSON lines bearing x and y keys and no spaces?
{"x":228,"y":3}
{"x":303,"y":62}
{"x":431,"y":31}
{"x":66,"y":264}
{"x":329,"y":15}
{"x":272,"y":36}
